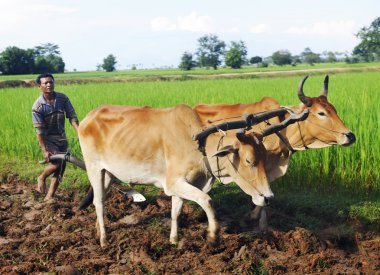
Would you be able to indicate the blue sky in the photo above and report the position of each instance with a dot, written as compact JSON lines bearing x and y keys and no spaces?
{"x":156,"y":33}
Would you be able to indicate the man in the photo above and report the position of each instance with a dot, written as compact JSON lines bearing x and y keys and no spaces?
{"x":48,"y":116}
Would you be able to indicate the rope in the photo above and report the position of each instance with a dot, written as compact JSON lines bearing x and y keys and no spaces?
{"x":237,"y":172}
{"x":213,"y":121}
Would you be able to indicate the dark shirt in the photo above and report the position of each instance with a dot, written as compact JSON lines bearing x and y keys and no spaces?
{"x":50,"y":119}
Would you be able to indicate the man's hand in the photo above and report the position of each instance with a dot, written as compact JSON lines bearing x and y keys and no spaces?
{"x":46,"y":155}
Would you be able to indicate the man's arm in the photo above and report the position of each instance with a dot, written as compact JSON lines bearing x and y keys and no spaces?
{"x":75,"y":125}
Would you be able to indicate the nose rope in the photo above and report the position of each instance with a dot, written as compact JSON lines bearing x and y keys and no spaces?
{"x":217,"y":159}
{"x":303,"y":141}
{"x":325,"y":128}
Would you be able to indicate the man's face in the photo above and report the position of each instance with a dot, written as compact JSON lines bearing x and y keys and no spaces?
{"x":47,"y":85}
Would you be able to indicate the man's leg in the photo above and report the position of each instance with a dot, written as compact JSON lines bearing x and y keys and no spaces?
{"x":41,"y":180}
{"x":56,"y":180}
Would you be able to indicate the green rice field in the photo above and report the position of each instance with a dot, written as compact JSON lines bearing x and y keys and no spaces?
{"x":355,"y":95}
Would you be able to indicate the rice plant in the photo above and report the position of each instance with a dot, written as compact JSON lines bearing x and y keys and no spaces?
{"x":355,"y":95}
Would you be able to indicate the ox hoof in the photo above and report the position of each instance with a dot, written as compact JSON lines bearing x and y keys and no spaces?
{"x":174,"y":241}
{"x":212,"y":241}
{"x":104,"y":243}
{"x":263,"y":222}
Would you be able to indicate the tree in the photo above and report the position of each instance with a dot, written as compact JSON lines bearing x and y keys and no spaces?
{"x":236,"y":56}
{"x":255,"y":60}
{"x":14,"y":60}
{"x":233,"y":59}
{"x":41,"y":59}
{"x":330,"y":57}
{"x":242,"y":48}
{"x":187,"y":62}
{"x":296,"y":59}
{"x":282,"y":57}
{"x":51,"y":63}
{"x":47,"y":49}
{"x":109,"y":63}
{"x":210,"y":50}
{"x":309,"y":57}
{"x":48,"y":59}
{"x":369,"y":47}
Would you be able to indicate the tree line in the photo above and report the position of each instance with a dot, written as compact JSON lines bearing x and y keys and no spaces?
{"x":41,"y":59}
{"x":211,"y":53}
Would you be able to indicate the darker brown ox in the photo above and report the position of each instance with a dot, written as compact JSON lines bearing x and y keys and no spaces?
{"x":322,"y":128}
{"x":155,"y":146}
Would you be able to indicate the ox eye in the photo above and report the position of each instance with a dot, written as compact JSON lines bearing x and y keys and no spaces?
{"x":249,"y":161}
{"x":322,"y":114}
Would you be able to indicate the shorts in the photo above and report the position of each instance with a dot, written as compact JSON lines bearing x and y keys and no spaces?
{"x":56,"y":143}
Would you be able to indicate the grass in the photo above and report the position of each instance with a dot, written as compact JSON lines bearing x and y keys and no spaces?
{"x":336,"y":183}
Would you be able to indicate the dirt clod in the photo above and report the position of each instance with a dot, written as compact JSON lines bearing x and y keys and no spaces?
{"x":37,"y":237}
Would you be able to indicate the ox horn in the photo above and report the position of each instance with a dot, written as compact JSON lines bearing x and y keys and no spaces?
{"x":325,"y":86}
{"x":304,"y":99}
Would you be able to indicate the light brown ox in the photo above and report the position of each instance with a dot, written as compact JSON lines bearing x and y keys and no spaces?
{"x":322,"y":128}
{"x":143,"y":145}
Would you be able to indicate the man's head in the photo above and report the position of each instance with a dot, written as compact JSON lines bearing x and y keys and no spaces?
{"x":46,"y":83}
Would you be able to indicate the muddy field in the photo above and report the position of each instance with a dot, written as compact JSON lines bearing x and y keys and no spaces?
{"x":38,"y":237}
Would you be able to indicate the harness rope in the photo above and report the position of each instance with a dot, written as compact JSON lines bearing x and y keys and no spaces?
{"x":212,"y":121}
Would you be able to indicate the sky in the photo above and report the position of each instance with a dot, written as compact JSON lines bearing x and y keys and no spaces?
{"x":153,"y":34}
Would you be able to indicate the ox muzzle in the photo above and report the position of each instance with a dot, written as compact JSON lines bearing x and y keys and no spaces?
{"x":350,"y":137}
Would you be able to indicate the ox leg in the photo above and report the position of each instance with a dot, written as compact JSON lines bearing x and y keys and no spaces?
{"x":255,"y":213}
{"x":97,"y":177}
{"x":186,"y":191}
{"x":263,"y":222}
{"x":177,"y":203}
{"x":260,"y":213}
{"x":208,"y":185}
{"x":107,"y":183}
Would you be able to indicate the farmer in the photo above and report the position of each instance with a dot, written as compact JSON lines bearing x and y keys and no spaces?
{"x":48,"y":116}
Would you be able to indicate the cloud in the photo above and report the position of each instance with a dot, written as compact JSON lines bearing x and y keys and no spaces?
{"x":21,"y":13}
{"x":260,"y":28}
{"x":325,"y":28}
{"x":232,"y":30}
{"x":162,"y":24}
{"x":195,"y":23}
{"x":192,"y":22}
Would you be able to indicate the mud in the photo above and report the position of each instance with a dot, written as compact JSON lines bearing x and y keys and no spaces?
{"x":38,"y":237}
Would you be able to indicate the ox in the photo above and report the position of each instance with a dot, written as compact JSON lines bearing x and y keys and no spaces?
{"x":322,"y":128}
{"x":143,"y":145}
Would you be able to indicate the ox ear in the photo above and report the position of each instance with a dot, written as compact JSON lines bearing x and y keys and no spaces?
{"x":225,"y":151}
{"x":242,"y":137}
{"x":257,"y":137}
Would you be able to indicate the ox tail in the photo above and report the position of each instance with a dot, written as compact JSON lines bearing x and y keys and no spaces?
{"x":86,"y":201}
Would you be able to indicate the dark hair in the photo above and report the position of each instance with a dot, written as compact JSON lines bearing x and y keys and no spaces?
{"x":38,"y":79}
